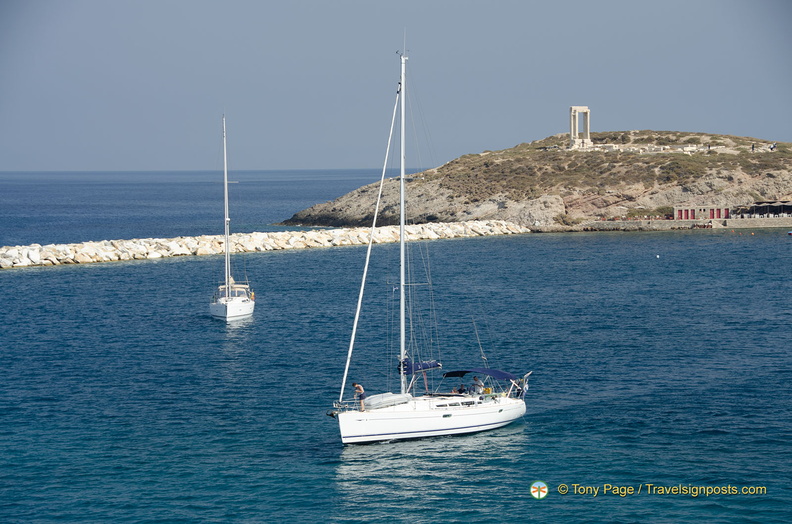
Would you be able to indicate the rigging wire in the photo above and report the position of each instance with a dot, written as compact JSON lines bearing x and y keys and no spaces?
{"x":419,"y":328}
{"x":481,"y":348}
{"x":421,"y":134}
{"x":368,"y":250}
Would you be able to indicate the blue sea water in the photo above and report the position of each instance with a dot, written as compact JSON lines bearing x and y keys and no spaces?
{"x":658,"y":358}
{"x":50,"y":207}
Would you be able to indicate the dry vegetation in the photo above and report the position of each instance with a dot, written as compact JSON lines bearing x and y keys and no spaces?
{"x":529,"y":170}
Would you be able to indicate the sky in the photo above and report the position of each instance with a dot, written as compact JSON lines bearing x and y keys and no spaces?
{"x":141,"y":85}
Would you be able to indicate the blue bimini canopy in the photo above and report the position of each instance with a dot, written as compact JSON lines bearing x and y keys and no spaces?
{"x":408,"y":367}
{"x":494,"y":373}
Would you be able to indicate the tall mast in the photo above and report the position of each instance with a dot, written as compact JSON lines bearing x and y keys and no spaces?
{"x":402,"y":247}
{"x":227,"y":218}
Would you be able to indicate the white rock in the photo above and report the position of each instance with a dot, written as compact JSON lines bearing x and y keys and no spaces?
{"x":34,"y":255}
{"x":82,"y":258}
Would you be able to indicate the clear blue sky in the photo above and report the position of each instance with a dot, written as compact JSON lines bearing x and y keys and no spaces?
{"x":306,"y":84}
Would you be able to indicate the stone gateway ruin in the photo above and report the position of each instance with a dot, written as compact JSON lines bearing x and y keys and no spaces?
{"x":577,"y":139}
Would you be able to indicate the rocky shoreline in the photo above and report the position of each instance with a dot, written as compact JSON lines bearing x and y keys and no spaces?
{"x":153,"y":248}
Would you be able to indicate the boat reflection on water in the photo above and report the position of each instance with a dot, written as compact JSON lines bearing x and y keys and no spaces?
{"x":390,"y":478}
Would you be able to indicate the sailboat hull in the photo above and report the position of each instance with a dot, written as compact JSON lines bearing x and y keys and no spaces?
{"x":232,"y":309}
{"x":429,"y":417}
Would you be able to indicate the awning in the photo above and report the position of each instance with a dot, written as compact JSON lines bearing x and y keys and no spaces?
{"x":494,"y":373}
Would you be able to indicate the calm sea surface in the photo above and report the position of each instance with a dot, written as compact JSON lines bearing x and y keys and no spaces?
{"x":659,"y":359}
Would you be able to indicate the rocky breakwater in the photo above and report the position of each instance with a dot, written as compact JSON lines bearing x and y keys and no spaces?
{"x":153,"y":248}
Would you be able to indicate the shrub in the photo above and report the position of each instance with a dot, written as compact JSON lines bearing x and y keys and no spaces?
{"x":566,"y":220}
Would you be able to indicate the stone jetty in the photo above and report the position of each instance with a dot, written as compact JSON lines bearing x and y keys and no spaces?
{"x":153,"y":248}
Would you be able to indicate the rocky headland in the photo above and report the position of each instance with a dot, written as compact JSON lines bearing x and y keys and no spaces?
{"x":546,"y":186}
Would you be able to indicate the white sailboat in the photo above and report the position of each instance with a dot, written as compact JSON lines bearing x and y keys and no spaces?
{"x":232,"y":300}
{"x":494,"y":402}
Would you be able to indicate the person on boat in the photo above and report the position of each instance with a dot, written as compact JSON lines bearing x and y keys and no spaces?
{"x":461,"y":389}
{"x":360,"y":393}
{"x":517,"y":388}
{"x":478,"y":385}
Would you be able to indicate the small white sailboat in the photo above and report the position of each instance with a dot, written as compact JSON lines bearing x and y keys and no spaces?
{"x":232,"y":300}
{"x":496,"y":401}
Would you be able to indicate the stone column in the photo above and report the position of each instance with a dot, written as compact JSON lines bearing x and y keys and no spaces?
{"x":573,"y":127}
{"x":575,"y":139}
{"x":587,"y":125}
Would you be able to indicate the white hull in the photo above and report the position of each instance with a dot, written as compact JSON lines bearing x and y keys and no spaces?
{"x":429,"y":417}
{"x":234,"y":308}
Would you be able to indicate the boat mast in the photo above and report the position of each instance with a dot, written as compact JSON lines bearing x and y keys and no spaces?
{"x":227,"y":218}
{"x":402,"y":247}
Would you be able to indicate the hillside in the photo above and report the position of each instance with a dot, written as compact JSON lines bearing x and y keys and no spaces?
{"x":544,"y":185}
